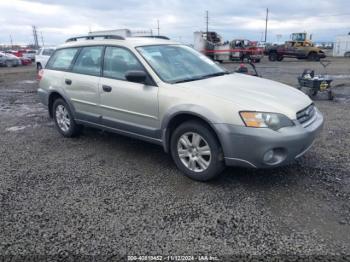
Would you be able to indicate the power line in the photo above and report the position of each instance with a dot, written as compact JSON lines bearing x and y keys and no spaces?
{"x":11,"y":41}
{"x":42,"y":38}
{"x":207,"y":22}
{"x":158,"y":28}
{"x":341,"y":14}
{"x":35,"y":35}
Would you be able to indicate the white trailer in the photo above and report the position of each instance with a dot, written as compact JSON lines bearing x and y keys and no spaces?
{"x":342,"y":46}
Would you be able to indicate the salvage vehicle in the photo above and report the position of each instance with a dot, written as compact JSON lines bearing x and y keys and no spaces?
{"x":9,"y":60}
{"x":169,"y":94}
{"x":43,"y":56}
{"x":23,"y":60}
{"x":212,"y":45}
{"x":300,"y":47}
{"x":28,"y":53}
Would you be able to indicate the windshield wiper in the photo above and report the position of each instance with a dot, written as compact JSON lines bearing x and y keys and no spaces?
{"x":202,"y":77}
{"x":187,"y":80}
{"x":215,"y":74}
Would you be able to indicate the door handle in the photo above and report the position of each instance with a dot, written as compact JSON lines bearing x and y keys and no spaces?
{"x":68,"y":81}
{"x":107,"y":88}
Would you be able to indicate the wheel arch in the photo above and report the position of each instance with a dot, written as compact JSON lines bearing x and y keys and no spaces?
{"x":55,"y":95}
{"x":172,"y":121}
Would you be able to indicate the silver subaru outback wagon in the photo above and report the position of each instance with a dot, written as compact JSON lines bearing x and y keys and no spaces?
{"x":166,"y":93}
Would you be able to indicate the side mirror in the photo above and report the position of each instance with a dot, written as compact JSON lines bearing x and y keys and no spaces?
{"x":136,"y":76}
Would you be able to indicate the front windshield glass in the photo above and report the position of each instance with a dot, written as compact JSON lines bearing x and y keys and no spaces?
{"x":178,"y":63}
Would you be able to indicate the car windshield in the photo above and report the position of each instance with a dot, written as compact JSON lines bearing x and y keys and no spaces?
{"x":178,"y":63}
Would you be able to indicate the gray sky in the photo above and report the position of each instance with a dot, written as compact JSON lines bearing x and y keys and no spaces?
{"x":59,"y":19}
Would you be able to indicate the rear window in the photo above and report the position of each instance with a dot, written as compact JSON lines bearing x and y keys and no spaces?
{"x":62,"y":59}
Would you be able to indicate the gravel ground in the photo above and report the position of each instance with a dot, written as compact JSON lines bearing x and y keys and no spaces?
{"x":103,"y":196}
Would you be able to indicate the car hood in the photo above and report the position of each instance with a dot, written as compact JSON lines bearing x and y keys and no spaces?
{"x":252,"y":93}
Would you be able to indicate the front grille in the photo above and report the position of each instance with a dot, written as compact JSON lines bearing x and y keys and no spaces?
{"x":305,"y":115}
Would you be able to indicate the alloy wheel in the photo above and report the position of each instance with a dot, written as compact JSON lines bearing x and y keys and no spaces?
{"x":194,"y":152}
{"x":62,"y":118}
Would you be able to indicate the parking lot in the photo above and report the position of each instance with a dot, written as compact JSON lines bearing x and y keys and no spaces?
{"x":108,"y":196}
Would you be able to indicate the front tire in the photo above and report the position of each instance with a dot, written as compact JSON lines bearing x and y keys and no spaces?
{"x":63,"y":119}
{"x":196,"y":151}
{"x":38,"y":67}
{"x":280,"y":58}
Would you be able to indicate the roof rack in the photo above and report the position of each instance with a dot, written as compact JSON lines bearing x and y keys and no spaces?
{"x":155,"y":36}
{"x":92,"y":37}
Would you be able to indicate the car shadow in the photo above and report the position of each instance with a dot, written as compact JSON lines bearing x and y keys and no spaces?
{"x":153,"y":155}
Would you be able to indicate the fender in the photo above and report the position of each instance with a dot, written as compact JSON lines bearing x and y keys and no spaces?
{"x":188,"y":109}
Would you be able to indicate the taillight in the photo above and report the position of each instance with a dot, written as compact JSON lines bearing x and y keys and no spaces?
{"x":40,"y":74}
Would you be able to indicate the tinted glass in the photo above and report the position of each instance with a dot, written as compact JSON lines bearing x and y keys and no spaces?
{"x":175,"y":63}
{"x":118,"y":61}
{"x":62,"y":59}
{"x":89,"y":61}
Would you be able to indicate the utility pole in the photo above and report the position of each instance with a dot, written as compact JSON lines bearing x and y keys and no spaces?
{"x":158,"y":26}
{"x":11,"y":41}
{"x":267,"y":18}
{"x":35,"y":35}
{"x":207,"y":23}
{"x":42,"y":38}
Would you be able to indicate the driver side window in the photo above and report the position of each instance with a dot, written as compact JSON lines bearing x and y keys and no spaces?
{"x":118,"y":61}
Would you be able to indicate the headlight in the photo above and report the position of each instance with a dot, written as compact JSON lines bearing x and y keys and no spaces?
{"x":274,"y":121}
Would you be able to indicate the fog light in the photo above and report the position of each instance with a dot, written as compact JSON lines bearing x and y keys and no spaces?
{"x":268,"y":156}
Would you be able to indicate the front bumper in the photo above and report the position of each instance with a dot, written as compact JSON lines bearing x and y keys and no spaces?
{"x":246,"y":146}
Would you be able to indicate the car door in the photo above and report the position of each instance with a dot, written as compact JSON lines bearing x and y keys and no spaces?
{"x":82,"y":83}
{"x":125,"y":105}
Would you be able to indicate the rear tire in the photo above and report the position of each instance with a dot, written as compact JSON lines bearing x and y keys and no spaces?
{"x":273,"y":56}
{"x":196,"y":151}
{"x":9,"y":64}
{"x":64,"y":120}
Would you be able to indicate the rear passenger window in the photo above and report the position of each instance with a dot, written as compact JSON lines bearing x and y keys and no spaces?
{"x":118,"y":61}
{"x":62,"y":59}
{"x":47,"y":52}
{"x":89,"y":61}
